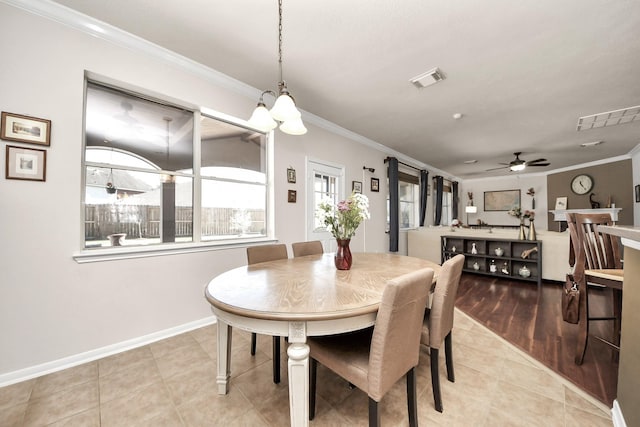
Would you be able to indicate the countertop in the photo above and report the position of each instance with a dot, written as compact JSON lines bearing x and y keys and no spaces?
{"x":630,"y":234}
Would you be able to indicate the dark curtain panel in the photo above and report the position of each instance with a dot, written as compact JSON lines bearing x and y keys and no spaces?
{"x":394,"y":209}
{"x":454,"y":197}
{"x":424,"y":186}
{"x":439,"y":188}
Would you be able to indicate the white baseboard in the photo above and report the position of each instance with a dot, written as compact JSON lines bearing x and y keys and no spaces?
{"x":89,"y":356}
{"x":616,"y":415}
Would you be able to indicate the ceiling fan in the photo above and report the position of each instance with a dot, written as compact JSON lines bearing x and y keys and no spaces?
{"x":518,"y":164}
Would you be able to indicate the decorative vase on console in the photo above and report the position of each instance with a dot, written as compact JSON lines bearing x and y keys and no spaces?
{"x":517,"y":212}
{"x":342,"y":220}
{"x":532,"y":231}
{"x":522,"y":235}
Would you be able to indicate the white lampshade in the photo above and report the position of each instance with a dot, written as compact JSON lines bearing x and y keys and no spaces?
{"x":284,"y":109}
{"x":293,"y":127}
{"x":261,"y":118}
{"x":470,"y":209}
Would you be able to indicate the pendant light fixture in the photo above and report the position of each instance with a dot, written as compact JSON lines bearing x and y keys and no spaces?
{"x":284,"y":110}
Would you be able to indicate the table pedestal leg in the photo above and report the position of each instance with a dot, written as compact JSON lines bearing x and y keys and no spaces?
{"x":298,"y":353}
{"x":224,"y":357}
{"x":299,"y":383}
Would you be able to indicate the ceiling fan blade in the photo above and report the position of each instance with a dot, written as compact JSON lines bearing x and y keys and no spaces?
{"x":539,"y":164}
{"x":530,"y":162}
{"x":495,"y":169}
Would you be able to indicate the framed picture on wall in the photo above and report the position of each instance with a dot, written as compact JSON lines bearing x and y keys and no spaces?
{"x":291,"y":196}
{"x":637,"y":193}
{"x":375,"y":184}
{"x":32,"y":130}
{"x":503,"y":200}
{"x":291,"y":176}
{"x":356,"y":186}
{"x":26,"y":163}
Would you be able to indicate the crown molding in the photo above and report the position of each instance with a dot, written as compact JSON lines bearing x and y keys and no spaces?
{"x":590,"y":164}
{"x":91,"y":26}
{"x":634,"y":151}
{"x":88,"y":25}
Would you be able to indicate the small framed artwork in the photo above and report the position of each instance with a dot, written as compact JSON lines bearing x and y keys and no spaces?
{"x":32,"y":130}
{"x":375,"y":184}
{"x":356,"y":186}
{"x":561,"y":203}
{"x":291,"y":196}
{"x":291,"y":176}
{"x":638,"y":193}
{"x":26,"y":163}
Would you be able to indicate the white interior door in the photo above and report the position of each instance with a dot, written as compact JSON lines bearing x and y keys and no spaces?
{"x":324,"y":180}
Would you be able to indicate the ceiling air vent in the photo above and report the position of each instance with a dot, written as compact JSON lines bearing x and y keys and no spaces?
{"x":609,"y":118}
{"x":428,"y":78}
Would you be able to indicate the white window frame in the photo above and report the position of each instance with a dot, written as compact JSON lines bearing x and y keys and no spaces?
{"x":197,"y":245}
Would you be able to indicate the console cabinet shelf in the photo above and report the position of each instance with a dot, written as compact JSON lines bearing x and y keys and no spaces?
{"x":504,"y":254}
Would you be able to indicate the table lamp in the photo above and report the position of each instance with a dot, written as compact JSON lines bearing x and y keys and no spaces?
{"x":470,"y":209}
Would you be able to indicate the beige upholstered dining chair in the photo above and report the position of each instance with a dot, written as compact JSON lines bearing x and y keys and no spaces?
{"x":255,"y":255}
{"x":438,"y":322}
{"x":307,"y":248}
{"x":598,"y":262}
{"x":374,"y":359}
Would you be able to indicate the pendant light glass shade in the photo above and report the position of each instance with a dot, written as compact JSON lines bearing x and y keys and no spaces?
{"x":284,"y":109}
{"x":293,"y":127}
{"x":261,"y":118}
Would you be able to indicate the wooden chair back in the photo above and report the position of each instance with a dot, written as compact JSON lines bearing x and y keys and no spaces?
{"x":307,"y":248}
{"x":264,"y":253}
{"x":601,"y":251}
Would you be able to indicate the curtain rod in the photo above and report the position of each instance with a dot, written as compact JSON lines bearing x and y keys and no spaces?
{"x":402,"y":163}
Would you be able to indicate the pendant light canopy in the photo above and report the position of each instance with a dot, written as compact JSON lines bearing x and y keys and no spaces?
{"x":284,"y":110}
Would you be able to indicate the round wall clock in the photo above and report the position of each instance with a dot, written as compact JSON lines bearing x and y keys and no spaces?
{"x":581,"y":184}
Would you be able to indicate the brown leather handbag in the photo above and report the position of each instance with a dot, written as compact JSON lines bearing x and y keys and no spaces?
{"x":570,"y":300}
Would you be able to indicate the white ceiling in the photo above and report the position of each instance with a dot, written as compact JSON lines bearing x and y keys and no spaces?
{"x":520,"y":72}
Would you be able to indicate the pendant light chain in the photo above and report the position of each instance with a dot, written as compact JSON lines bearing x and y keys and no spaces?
{"x":284,"y":109}
{"x":280,"y":40}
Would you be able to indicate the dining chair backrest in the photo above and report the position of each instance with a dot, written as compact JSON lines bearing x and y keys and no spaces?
{"x":601,"y":251}
{"x":573,"y":238}
{"x":443,"y":301}
{"x":395,"y":344}
{"x":264,"y":253}
{"x":307,"y":248}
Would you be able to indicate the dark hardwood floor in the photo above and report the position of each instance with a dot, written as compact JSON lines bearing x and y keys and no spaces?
{"x":532,"y":321}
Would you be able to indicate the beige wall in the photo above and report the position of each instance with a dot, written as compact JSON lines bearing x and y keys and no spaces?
{"x":54,"y":310}
{"x":611,"y":179}
{"x":520,"y":182}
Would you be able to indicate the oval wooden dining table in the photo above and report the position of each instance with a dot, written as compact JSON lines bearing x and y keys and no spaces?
{"x":301,"y":297}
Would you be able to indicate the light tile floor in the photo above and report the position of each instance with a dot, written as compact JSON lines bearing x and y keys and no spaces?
{"x":172,"y":383}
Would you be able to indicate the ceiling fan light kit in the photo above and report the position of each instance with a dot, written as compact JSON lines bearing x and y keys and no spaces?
{"x":518,"y":164}
{"x":284,"y":110}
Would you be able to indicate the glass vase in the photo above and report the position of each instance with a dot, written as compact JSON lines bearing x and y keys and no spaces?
{"x":343,"y":257}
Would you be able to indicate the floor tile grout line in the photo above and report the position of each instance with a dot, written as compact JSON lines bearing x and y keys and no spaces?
{"x":542,"y":366}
